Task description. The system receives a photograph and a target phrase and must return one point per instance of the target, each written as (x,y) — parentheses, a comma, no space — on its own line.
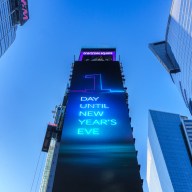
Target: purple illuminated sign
(97,53)
(23,11)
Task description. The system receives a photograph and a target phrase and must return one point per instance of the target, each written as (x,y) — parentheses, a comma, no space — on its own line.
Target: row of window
(180,39)
(6,23)
(7,28)
(7,41)
(185,16)
(4,10)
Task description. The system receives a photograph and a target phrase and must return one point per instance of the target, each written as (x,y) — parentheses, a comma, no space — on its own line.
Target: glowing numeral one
(97,82)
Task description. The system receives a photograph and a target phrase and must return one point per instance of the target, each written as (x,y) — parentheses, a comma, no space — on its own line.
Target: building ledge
(164,54)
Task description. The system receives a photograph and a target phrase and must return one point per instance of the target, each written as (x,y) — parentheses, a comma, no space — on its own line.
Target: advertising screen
(95,95)
(96,118)
(97,147)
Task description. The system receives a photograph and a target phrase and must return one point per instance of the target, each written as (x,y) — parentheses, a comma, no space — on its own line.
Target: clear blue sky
(35,70)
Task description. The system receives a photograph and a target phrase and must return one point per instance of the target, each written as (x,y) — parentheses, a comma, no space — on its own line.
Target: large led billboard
(95,118)
(96,92)
(97,150)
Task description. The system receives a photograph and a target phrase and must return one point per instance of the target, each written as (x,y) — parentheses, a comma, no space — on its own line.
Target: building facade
(168,153)
(94,148)
(175,52)
(12,13)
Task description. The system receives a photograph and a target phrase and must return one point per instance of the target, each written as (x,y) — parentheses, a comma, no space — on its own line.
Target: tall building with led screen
(175,52)
(96,146)
(12,13)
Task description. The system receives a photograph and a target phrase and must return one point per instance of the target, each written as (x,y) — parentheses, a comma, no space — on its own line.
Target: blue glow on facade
(93,117)
(92,106)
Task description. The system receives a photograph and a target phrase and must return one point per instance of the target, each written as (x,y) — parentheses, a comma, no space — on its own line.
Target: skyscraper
(169,154)
(90,145)
(12,13)
(175,52)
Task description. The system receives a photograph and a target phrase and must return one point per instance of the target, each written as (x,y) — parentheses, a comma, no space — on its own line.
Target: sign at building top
(23,11)
(97,53)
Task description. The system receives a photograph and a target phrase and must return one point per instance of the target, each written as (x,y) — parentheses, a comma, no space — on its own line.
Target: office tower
(169,153)
(175,52)
(90,145)
(12,13)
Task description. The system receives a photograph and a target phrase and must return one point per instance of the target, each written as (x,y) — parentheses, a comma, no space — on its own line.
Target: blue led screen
(96,118)
(95,95)
(97,150)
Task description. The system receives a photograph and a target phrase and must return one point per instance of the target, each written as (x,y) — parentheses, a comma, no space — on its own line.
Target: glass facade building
(90,145)
(187,125)
(168,153)
(175,52)
(12,13)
